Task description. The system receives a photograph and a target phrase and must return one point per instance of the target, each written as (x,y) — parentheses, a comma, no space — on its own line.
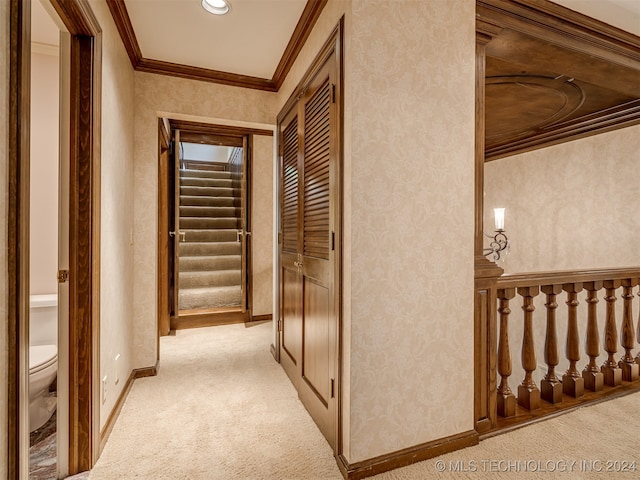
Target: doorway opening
(211,228)
(204,233)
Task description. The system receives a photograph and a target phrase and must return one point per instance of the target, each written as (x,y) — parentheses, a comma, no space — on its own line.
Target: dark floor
(42,452)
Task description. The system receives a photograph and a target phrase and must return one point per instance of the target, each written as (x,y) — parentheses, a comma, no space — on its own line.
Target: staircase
(210,254)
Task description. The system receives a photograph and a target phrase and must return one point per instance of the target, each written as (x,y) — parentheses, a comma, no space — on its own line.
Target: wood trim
(82,292)
(261,318)
(600,122)
(208,319)
(18,235)
(569,30)
(147,371)
(122,20)
(189,72)
(216,129)
(209,139)
(77,17)
(562,26)
(406,456)
(566,276)
(115,413)
(163,231)
(84,232)
(308,19)
(305,25)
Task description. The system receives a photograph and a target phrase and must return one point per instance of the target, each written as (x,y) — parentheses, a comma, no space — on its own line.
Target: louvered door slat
(290,187)
(316,177)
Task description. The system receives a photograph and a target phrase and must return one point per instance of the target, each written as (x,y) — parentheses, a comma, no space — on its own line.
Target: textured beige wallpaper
(4,134)
(117,187)
(412,176)
(262,222)
(570,206)
(407,179)
(157,95)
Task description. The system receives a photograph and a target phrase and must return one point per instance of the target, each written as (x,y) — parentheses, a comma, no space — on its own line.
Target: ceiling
(249,40)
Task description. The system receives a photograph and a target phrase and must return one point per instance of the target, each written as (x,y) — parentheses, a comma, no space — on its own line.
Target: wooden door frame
(334,44)
(197,130)
(84,232)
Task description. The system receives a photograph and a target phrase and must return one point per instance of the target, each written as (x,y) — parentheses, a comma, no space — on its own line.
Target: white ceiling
(624,14)
(249,40)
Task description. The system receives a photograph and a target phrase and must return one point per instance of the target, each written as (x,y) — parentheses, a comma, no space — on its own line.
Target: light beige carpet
(221,408)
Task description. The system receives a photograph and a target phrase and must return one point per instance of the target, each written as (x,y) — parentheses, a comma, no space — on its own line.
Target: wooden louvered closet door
(309,198)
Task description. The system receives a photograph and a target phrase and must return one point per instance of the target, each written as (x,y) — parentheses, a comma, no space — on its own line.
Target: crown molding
(308,19)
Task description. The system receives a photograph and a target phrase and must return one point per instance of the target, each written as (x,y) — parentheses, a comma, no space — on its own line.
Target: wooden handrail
(566,276)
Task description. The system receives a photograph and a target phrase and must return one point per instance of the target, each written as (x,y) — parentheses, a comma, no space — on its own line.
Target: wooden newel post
(612,373)
(506,398)
(630,369)
(528,393)
(572,381)
(551,387)
(593,377)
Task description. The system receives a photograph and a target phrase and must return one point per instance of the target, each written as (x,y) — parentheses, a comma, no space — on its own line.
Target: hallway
(222,408)
(218,392)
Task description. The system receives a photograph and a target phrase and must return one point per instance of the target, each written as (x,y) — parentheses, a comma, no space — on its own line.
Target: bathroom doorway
(77,418)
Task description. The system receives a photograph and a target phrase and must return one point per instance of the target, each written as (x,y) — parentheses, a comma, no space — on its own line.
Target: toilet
(43,358)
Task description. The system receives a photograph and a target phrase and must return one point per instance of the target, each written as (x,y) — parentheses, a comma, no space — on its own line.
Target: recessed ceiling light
(217,7)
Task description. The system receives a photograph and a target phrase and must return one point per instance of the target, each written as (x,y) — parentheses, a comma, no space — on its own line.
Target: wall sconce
(499,241)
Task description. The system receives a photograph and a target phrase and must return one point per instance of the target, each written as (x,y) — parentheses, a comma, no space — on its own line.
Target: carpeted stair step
(204,211)
(222,235)
(210,191)
(194,298)
(205,173)
(209,182)
(219,278)
(203,223)
(206,201)
(208,249)
(210,263)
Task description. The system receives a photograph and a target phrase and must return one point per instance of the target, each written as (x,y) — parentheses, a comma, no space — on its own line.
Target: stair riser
(208,223)
(201,211)
(194,201)
(209,182)
(212,235)
(210,264)
(205,174)
(210,298)
(209,249)
(210,191)
(225,278)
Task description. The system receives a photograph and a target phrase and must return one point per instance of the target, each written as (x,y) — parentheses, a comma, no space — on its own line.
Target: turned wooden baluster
(506,398)
(593,377)
(551,388)
(528,393)
(612,373)
(572,381)
(630,369)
